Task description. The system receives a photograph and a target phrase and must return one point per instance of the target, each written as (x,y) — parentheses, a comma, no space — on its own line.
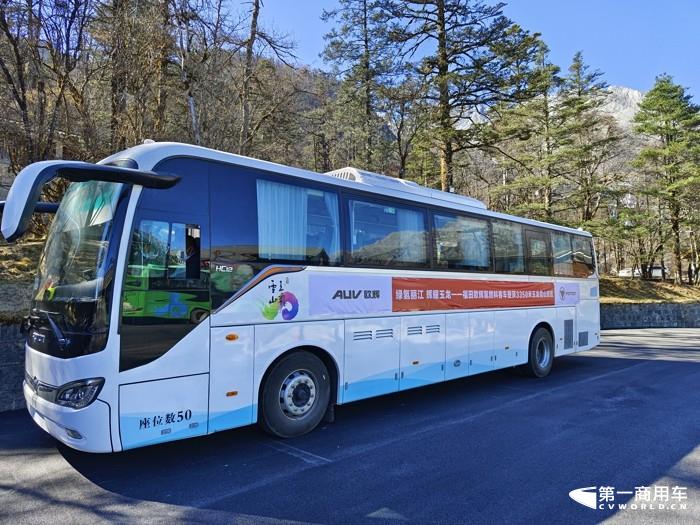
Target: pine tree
(526,139)
(480,59)
(358,47)
(590,143)
(672,161)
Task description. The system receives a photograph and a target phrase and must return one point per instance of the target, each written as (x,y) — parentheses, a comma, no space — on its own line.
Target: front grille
(41,389)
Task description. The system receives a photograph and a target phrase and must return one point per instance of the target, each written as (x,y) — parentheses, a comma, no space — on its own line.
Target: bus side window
(539,260)
(383,234)
(296,223)
(462,243)
(584,264)
(562,253)
(509,250)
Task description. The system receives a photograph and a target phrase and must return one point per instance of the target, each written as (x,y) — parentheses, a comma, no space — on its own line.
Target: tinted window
(296,223)
(166,284)
(584,265)
(166,289)
(562,254)
(192,191)
(386,234)
(462,242)
(508,247)
(234,230)
(258,221)
(538,258)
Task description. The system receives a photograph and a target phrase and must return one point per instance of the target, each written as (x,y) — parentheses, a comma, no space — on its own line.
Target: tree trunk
(118,81)
(366,68)
(244,141)
(676,232)
(162,65)
(446,145)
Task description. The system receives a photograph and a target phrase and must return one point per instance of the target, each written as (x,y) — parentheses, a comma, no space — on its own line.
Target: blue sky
(631,41)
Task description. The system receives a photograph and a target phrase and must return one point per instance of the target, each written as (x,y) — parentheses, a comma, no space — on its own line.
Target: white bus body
(131,343)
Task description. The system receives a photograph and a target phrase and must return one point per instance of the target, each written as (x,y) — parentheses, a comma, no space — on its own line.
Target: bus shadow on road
(179,472)
(591,401)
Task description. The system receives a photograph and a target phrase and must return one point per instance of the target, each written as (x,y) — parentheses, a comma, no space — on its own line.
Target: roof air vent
(383,181)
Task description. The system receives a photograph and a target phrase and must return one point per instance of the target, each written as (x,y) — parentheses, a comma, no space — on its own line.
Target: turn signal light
(232,393)
(231,337)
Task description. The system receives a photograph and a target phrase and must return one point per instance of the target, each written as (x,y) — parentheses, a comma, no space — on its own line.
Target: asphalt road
(491,448)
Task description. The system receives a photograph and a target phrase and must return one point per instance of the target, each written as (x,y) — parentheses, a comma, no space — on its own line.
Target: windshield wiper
(61,339)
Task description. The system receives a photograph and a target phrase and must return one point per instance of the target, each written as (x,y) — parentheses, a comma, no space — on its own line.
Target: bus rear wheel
(295,395)
(541,354)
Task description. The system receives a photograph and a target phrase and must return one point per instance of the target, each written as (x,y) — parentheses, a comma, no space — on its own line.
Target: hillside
(615,290)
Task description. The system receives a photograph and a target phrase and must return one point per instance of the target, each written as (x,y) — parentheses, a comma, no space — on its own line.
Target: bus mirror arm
(39,207)
(23,198)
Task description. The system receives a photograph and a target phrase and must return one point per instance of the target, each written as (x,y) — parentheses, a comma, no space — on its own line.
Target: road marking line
(312,460)
(306,457)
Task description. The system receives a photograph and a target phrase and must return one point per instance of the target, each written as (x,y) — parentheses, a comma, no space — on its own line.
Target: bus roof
(147,155)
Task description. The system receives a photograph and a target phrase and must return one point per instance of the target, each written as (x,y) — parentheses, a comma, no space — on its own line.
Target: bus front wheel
(295,395)
(541,354)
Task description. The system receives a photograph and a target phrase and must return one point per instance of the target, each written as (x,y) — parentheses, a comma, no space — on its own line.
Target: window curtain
(331,202)
(282,221)
(412,235)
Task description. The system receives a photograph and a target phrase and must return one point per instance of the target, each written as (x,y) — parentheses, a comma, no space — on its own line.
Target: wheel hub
(298,393)
(543,353)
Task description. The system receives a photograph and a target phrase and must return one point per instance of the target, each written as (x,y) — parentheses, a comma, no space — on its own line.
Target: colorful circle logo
(290,305)
(286,303)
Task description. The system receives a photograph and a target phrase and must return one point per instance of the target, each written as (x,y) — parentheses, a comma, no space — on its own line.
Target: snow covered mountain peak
(622,103)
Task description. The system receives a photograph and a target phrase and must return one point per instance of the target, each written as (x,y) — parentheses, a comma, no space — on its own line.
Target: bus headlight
(79,394)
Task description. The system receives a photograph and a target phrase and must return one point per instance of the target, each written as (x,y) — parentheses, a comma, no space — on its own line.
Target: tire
(197,316)
(540,354)
(295,395)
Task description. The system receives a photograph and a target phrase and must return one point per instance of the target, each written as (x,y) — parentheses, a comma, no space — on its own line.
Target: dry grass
(18,262)
(616,290)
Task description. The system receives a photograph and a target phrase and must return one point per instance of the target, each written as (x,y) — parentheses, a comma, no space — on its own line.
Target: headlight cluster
(79,394)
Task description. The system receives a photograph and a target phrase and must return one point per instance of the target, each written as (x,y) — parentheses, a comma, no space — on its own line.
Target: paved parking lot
(491,448)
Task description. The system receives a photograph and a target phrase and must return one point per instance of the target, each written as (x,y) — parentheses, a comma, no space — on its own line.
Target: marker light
(79,394)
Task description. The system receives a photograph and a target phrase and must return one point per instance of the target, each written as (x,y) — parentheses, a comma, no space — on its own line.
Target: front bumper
(86,429)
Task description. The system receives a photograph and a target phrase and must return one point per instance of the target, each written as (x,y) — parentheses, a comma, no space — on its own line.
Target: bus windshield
(75,270)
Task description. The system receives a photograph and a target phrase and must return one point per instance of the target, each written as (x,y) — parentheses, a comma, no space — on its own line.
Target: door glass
(165,289)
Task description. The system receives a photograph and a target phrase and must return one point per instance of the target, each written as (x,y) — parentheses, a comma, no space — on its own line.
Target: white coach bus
(183,291)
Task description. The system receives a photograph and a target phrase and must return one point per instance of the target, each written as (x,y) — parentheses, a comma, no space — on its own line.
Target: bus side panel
(512,337)
(232,401)
(456,345)
(272,340)
(482,330)
(156,411)
(588,333)
(422,350)
(372,354)
(565,330)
